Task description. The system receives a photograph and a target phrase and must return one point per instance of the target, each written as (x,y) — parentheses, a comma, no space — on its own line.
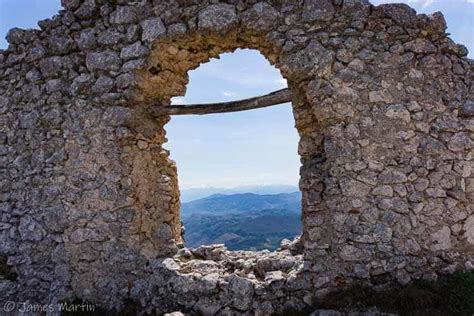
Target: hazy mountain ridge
(242,221)
(192,194)
(243,202)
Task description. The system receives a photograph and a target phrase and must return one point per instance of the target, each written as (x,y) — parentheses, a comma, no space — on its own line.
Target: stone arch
(383,103)
(174,57)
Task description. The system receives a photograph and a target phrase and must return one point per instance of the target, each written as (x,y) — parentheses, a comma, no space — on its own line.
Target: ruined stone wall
(89,201)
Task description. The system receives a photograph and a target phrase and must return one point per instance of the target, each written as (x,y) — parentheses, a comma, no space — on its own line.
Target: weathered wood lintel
(274,98)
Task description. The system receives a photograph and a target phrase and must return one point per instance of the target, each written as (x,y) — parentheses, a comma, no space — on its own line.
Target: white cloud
(281,82)
(262,79)
(427,3)
(178,100)
(228,94)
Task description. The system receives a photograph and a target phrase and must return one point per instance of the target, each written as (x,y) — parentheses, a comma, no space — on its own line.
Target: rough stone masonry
(89,200)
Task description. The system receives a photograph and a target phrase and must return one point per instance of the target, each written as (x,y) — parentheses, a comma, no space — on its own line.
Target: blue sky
(245,148)
(242,148)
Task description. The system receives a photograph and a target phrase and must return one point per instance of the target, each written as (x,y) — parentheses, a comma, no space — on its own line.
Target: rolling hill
(244,221)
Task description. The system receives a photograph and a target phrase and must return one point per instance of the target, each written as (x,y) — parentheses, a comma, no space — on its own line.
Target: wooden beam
(274,98)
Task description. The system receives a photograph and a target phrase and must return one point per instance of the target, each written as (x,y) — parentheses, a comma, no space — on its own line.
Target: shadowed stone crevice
(89,198)
(6,271)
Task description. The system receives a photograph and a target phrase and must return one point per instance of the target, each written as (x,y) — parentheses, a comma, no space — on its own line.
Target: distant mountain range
(188,195)
(244,221)
(244,202)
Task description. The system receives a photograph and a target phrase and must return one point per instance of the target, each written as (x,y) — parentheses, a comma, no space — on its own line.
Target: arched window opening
(238,172)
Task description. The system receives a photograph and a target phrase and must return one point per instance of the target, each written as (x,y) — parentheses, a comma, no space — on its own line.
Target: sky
(257,147)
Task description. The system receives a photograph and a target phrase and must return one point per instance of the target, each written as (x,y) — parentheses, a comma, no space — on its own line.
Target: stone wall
(89,199)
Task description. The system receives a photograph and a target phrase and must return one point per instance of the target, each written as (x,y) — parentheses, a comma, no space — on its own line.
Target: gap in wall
(238,172)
